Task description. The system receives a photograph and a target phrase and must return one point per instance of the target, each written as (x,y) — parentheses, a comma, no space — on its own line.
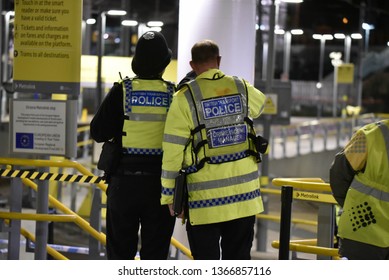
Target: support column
(230,23)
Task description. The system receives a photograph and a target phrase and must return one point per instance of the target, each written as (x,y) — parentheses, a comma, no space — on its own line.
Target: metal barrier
(85,142)
(316,190)
(314,135)
(70,215)
(277,218)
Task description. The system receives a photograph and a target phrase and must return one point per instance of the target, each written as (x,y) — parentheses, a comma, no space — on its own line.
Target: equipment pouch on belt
(261,144)
(109,157)
(180,193)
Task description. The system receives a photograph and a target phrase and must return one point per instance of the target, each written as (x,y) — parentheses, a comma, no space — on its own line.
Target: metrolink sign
(317,197)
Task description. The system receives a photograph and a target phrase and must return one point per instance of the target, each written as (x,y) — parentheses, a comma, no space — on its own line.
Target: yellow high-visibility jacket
(146,103)
(365,216)
(226,185)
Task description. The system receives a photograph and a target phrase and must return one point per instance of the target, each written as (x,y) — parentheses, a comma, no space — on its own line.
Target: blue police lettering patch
(222,106)
(226,136)
(150,98)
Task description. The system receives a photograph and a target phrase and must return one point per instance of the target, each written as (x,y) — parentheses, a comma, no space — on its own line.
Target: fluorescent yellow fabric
(231,188)
(145,134)
(365,216)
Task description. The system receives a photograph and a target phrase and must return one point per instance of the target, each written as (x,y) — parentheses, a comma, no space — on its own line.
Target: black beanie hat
(152,54)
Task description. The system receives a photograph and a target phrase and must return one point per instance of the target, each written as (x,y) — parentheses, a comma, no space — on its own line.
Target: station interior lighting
(90,21)
(297,32)
(367,26)
(280,31)
(356,36)
(292,1)
(339,36)
(323,36)
(116,13)
(155,23)
(128,22)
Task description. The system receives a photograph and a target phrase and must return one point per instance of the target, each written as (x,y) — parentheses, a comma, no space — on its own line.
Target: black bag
(110,157)
(180,194)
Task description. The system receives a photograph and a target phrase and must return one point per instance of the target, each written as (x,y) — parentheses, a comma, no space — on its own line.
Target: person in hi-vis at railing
(359,179)
(133,114)
(209,137)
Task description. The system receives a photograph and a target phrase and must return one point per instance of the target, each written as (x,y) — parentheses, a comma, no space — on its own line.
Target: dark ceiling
(311,15)
(343,15)
(314,16)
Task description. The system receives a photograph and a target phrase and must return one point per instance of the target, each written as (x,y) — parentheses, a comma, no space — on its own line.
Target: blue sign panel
(150,98)
(226,136)
(222,106)
(24,140)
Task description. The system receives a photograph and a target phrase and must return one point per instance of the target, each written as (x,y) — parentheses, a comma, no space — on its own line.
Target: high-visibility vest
(365,216)
(226,186)
(146,103)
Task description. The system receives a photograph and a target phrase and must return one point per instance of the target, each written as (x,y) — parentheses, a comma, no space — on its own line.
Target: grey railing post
(15,225)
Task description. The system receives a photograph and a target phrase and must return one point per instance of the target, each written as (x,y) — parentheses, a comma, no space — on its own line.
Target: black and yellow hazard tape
(35,175)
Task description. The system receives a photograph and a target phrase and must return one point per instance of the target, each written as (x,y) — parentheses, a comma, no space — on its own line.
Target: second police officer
(209,135)
(133,114)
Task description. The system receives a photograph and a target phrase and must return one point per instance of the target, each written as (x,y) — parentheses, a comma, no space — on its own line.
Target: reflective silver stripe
(146,117)
(174,139)
(189,99)
(242,90)
(197,97)
(223,182)
(378,194)
(169,174)
(261,110)
(385,134)
(193,111)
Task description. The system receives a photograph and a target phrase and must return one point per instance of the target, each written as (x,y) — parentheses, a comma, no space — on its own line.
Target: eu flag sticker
(24,140)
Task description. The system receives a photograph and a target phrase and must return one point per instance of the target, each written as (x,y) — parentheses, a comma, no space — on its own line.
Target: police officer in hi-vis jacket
(133,114)
(359,179)
(209,136)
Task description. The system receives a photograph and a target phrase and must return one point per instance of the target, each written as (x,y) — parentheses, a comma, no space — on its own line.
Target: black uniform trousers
(133,202)
(233,239)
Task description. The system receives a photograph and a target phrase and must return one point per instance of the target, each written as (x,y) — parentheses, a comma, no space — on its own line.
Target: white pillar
(230,23)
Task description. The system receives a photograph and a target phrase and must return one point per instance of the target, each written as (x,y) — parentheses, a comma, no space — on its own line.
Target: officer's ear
(193,65)
(219,58)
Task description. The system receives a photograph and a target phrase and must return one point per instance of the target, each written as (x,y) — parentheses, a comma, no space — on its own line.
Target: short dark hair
(204,51)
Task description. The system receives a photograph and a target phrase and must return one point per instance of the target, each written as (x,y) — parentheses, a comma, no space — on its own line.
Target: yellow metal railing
(37,217)
(308,184)
(322,190)
(277,218)
(309,246)
(29,236)
(69,216)
(78,220)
